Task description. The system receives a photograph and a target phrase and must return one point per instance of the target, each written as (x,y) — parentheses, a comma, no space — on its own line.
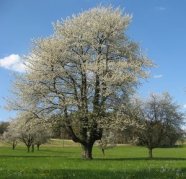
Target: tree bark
(88,151)
(150,153)
(87,139)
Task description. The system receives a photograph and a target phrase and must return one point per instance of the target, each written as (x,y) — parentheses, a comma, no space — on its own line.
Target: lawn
(63,160)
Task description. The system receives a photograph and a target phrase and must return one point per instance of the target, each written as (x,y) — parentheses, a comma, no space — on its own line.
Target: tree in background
(158,119)
(107,141)
(58,128)
(11,135)
(43,134)
(80,70)
(173,137)
(31,130)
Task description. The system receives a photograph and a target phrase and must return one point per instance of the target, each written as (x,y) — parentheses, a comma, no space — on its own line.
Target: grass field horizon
(62,159)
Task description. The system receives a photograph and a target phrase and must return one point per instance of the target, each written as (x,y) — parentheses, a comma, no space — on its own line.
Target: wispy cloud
(158,76)
(12,62)
(160,8)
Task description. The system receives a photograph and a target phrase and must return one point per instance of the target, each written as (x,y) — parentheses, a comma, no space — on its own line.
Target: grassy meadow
(62,159)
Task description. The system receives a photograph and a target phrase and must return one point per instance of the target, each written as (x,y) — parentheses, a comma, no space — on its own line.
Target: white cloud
(12,62)
(184,106)
(158,76)
(161,8)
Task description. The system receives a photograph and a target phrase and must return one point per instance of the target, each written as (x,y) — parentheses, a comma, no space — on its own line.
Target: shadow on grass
(141,158)
(152,173)
(32,155)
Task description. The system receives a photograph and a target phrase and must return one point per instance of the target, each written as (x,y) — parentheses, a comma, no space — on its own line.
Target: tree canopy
(80,71)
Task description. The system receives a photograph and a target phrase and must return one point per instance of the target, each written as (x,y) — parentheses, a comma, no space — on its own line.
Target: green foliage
(64,162)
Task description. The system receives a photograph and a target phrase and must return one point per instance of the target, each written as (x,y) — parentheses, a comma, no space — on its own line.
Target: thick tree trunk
(86,141)
(88,151)
(150,153)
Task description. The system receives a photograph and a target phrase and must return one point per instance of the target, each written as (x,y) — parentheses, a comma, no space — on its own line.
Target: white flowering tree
(107,141)
(80,70)
(11,135)
(31,130)
(43,133)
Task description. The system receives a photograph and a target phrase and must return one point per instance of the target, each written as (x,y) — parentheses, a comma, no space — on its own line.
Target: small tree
(31,130)
(107,141)
(25,128)
(156,118)
(42,134)
(11,135)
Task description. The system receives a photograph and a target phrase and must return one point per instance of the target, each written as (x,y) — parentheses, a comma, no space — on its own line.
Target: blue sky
(158,25)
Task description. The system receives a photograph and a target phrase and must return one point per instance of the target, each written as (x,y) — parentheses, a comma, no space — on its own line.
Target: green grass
(56,161)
